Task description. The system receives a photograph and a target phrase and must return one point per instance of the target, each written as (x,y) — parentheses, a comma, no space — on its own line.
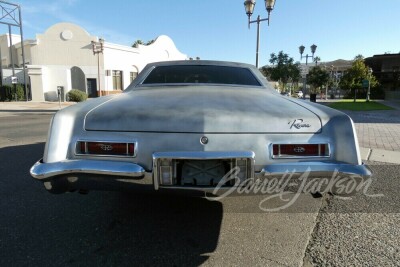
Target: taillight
(106,148)
(300,150)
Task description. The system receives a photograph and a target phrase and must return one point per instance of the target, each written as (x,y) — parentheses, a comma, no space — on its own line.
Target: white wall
(5,51)
(129,59)
(65,45)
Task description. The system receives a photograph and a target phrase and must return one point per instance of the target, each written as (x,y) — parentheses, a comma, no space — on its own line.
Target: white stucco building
(63,56)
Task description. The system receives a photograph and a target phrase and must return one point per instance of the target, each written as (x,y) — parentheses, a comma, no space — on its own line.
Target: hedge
(76,96)
(7,93)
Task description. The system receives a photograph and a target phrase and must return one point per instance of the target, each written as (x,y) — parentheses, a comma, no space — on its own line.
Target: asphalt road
(127,229)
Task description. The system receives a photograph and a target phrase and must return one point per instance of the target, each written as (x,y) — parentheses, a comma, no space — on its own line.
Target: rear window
(205,74)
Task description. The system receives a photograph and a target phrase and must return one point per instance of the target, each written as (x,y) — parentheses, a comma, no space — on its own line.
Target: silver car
(185,125)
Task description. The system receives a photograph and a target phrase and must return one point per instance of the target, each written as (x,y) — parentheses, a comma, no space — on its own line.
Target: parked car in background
(285,93)
(299,94)
(185,125)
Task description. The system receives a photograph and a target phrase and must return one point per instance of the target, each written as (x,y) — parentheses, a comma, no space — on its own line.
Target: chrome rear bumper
(44,171)
(70,175)
(317,169)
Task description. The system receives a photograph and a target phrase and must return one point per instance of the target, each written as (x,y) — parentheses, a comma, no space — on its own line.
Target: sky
(218,29)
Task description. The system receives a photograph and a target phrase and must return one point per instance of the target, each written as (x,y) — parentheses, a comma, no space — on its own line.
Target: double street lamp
(98,47)
(249,8)
(301,50)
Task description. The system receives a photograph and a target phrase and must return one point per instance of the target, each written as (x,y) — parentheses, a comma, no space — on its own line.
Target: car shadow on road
(101,228)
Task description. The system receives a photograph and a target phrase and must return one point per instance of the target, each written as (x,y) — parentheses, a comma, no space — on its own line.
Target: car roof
(201,62)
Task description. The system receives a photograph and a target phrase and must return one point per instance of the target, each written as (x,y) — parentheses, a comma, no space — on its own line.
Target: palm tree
(150,42)
(316,60)
(137,43)
(359,57)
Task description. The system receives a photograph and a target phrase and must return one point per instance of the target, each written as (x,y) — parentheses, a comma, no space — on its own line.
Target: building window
(117,80)
(133,75)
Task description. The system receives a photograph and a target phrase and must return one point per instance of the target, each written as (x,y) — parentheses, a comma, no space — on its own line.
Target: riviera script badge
(298,124)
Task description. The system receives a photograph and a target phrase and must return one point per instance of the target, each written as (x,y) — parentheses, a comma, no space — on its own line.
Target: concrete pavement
(378,131)
(33,106)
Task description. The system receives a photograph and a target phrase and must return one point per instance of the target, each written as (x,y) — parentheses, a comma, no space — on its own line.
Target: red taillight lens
(106,148)
(300,150)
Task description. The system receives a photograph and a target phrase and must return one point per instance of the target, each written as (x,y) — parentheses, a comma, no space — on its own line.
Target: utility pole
(11,16)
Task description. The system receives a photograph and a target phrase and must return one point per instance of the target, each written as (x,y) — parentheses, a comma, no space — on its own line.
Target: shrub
(7,93)
(376,93)
(20,92)
(76,96)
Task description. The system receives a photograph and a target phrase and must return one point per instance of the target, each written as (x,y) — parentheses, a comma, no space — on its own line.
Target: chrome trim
(135,174)
(204,155)
(109,156)
(318,169)
(271,151)
(43,170)
(150,70)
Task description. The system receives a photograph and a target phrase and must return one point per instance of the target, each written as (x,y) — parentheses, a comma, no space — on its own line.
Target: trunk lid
(202,109)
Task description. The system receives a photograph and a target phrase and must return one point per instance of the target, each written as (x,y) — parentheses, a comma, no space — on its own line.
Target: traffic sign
(304,70)
(365,83)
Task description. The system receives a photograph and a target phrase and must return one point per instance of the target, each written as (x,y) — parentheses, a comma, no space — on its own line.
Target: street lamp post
(369,84)
(332,90)
(301,50)
(249,7)
(98,47)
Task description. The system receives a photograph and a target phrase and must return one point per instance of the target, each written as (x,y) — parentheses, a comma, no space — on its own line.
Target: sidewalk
(33,106)
(378,131)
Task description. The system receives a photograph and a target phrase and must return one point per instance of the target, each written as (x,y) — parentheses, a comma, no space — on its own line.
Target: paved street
(124,229)
(363,231)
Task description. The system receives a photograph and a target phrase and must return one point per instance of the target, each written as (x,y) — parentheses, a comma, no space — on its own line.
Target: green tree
(137,43)
(316,60)
(359,57)
(150,42)
(317,77)
(352,79)
(283,69)
(140,42)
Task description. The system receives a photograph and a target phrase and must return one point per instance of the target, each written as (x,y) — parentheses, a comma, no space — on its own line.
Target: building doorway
(91,87)
(78,79)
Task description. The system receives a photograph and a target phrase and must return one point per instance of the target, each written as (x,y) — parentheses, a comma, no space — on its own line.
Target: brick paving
(379,129)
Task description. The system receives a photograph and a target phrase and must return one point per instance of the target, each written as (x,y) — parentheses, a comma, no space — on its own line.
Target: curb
(385,156)
(33,106)
(380,155)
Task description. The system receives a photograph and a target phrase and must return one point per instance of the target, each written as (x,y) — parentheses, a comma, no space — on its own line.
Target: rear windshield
(189,74)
